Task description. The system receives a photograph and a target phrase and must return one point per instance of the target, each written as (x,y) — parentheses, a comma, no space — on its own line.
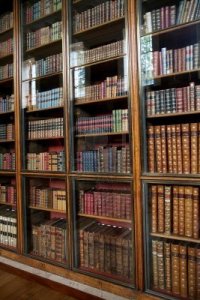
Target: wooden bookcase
(169,65)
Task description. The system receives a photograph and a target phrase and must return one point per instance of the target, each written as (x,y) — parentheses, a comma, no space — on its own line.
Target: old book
(176,269)
(168,194)
(183,271)
(192,273)
(175,221)
(198,271)
(167,256)
(160,261)
(188,211)
(194,147)
(169,149)
(174,149)
(158,149)
(196,216)
(161,209)
(186,148)
(151,149)
(154,209)
(163,148)
(155,263)
(179,149)
(181,196)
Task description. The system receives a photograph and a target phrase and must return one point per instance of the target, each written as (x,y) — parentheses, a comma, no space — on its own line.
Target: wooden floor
(14,287)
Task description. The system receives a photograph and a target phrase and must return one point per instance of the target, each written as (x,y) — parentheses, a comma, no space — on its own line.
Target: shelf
(176,177)
(41,173)
(10,204)
(6,141)
(6,112)
(176,237)
(43,18)
(44,109)
(9,79)
(174,114)
(97,62)
(43,46)
(6,31)
(104,218)
(101,175)
(49,260)
(82,102)
(43,77)
(171,29)
(7,172)
(102,134)
(47,209)
(8,247)
(176,74)
(46,138)
(6,56)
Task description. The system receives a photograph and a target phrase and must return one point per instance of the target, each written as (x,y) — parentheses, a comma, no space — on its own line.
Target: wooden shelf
(44,174)
(6,141)
(176,74)
(44,109)
(101,175)
(7,172)
(43,46)
(43,17)
(6,80)
(6,31)
(6,56)
(47,209)
(175,177)
(174,114)
(7,112)
(104,218)
(97,62)
(43,77)
(102,134)
(46,138)
(10,204)
(176,237)
(171,29)
(82,102)
(98,26)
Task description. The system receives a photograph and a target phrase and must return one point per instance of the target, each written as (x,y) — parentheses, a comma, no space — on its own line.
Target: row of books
(6,71)
(8,227)
(46,161)
(47,99)
(105,203)
(167,16)
(174,148)
(7,103)
(111,159)
(7,131)
(106,248)
(115,122)
(48,65)
(6,47)
(173,100)
(79,55)
(40,9)
(176,269)
(97,15)
(7,193)
(46,197)
(7,161)
(111,87)
(175,210)
(6,21)
(176,60)
(44,35)
(45,128)
(49,240)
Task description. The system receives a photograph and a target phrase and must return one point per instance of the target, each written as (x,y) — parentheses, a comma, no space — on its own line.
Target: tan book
(169,149)
(167,255)
(161,209)
(175,210)
(179,149)
(198,271)
(183,271)
(188,211)
(168,194)
(151,149)
(181,195)
(192,273)
(186,147)
(158,149)
(155,263)
(160,261)
(196,215)
(194,147)
(154,209)
(175,269)
(163,148)
(174,150)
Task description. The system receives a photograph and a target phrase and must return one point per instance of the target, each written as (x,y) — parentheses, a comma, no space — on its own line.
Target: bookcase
(169,64)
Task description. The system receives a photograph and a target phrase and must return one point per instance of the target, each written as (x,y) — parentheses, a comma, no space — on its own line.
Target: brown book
(155,263)
(174,150)
(194,147)
(175,210)
(199,147)
(167,255)
(179,149)
(175,269)
(163,148)
(154,209)
(158,149)
(198,271)
(168,194)
(160,261)
(192,273)
(188,211)
(183,271)
(186,147)
(151,149)
(169,149)
(196,215)
(181,196)
(161,209)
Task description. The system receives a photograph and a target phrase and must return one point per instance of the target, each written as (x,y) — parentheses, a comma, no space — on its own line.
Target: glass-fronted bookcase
(169,66)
